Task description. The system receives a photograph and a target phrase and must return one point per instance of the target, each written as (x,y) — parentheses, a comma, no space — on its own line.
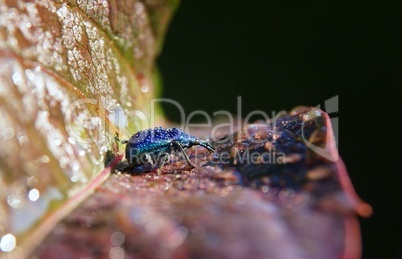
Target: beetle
(146,145)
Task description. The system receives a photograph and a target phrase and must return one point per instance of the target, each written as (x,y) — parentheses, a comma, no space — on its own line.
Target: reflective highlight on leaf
(65,68)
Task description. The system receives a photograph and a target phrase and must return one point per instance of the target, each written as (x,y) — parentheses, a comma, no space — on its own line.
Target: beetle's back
(153,140)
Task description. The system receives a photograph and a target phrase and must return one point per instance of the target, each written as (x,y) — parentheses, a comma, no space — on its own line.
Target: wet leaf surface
(68,70)
(299,207)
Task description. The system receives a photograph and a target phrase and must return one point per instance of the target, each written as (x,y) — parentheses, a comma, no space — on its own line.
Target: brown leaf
(304,207)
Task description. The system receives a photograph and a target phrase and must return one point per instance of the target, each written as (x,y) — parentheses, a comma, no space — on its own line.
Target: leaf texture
(67,70)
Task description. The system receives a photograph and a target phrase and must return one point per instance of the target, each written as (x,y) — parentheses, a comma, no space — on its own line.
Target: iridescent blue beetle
(148,146)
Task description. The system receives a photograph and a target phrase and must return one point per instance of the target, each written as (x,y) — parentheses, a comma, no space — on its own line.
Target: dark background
(280,54)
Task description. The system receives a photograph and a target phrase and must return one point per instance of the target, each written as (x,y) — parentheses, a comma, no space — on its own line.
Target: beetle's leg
(164,159)
(179,146)
(121,167)
(119,140)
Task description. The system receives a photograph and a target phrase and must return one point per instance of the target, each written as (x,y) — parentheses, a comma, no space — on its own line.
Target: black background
(280,54)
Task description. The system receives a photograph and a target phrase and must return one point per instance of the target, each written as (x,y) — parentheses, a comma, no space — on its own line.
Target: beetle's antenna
(206,145)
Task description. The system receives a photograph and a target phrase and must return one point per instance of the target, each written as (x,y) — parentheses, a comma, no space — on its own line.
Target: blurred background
(280,54)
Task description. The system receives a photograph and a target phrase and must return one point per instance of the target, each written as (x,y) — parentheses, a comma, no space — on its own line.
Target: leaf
(226,207)
(68,70)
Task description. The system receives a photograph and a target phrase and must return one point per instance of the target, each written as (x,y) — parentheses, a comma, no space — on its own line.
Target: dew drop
(317,113)
(139,217)
(23,140)
(116,253)
(117,238)
(8,133)
(144,88)
(286,194)
(71,140)
(76,167)
(13,200)
(265,189)
(31,181)
(11,14)
(33,195)
(103,149)
(83,179)
(7,243)
(57,142)
(17,78)
(44,159)
(178,237)
(95,121)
